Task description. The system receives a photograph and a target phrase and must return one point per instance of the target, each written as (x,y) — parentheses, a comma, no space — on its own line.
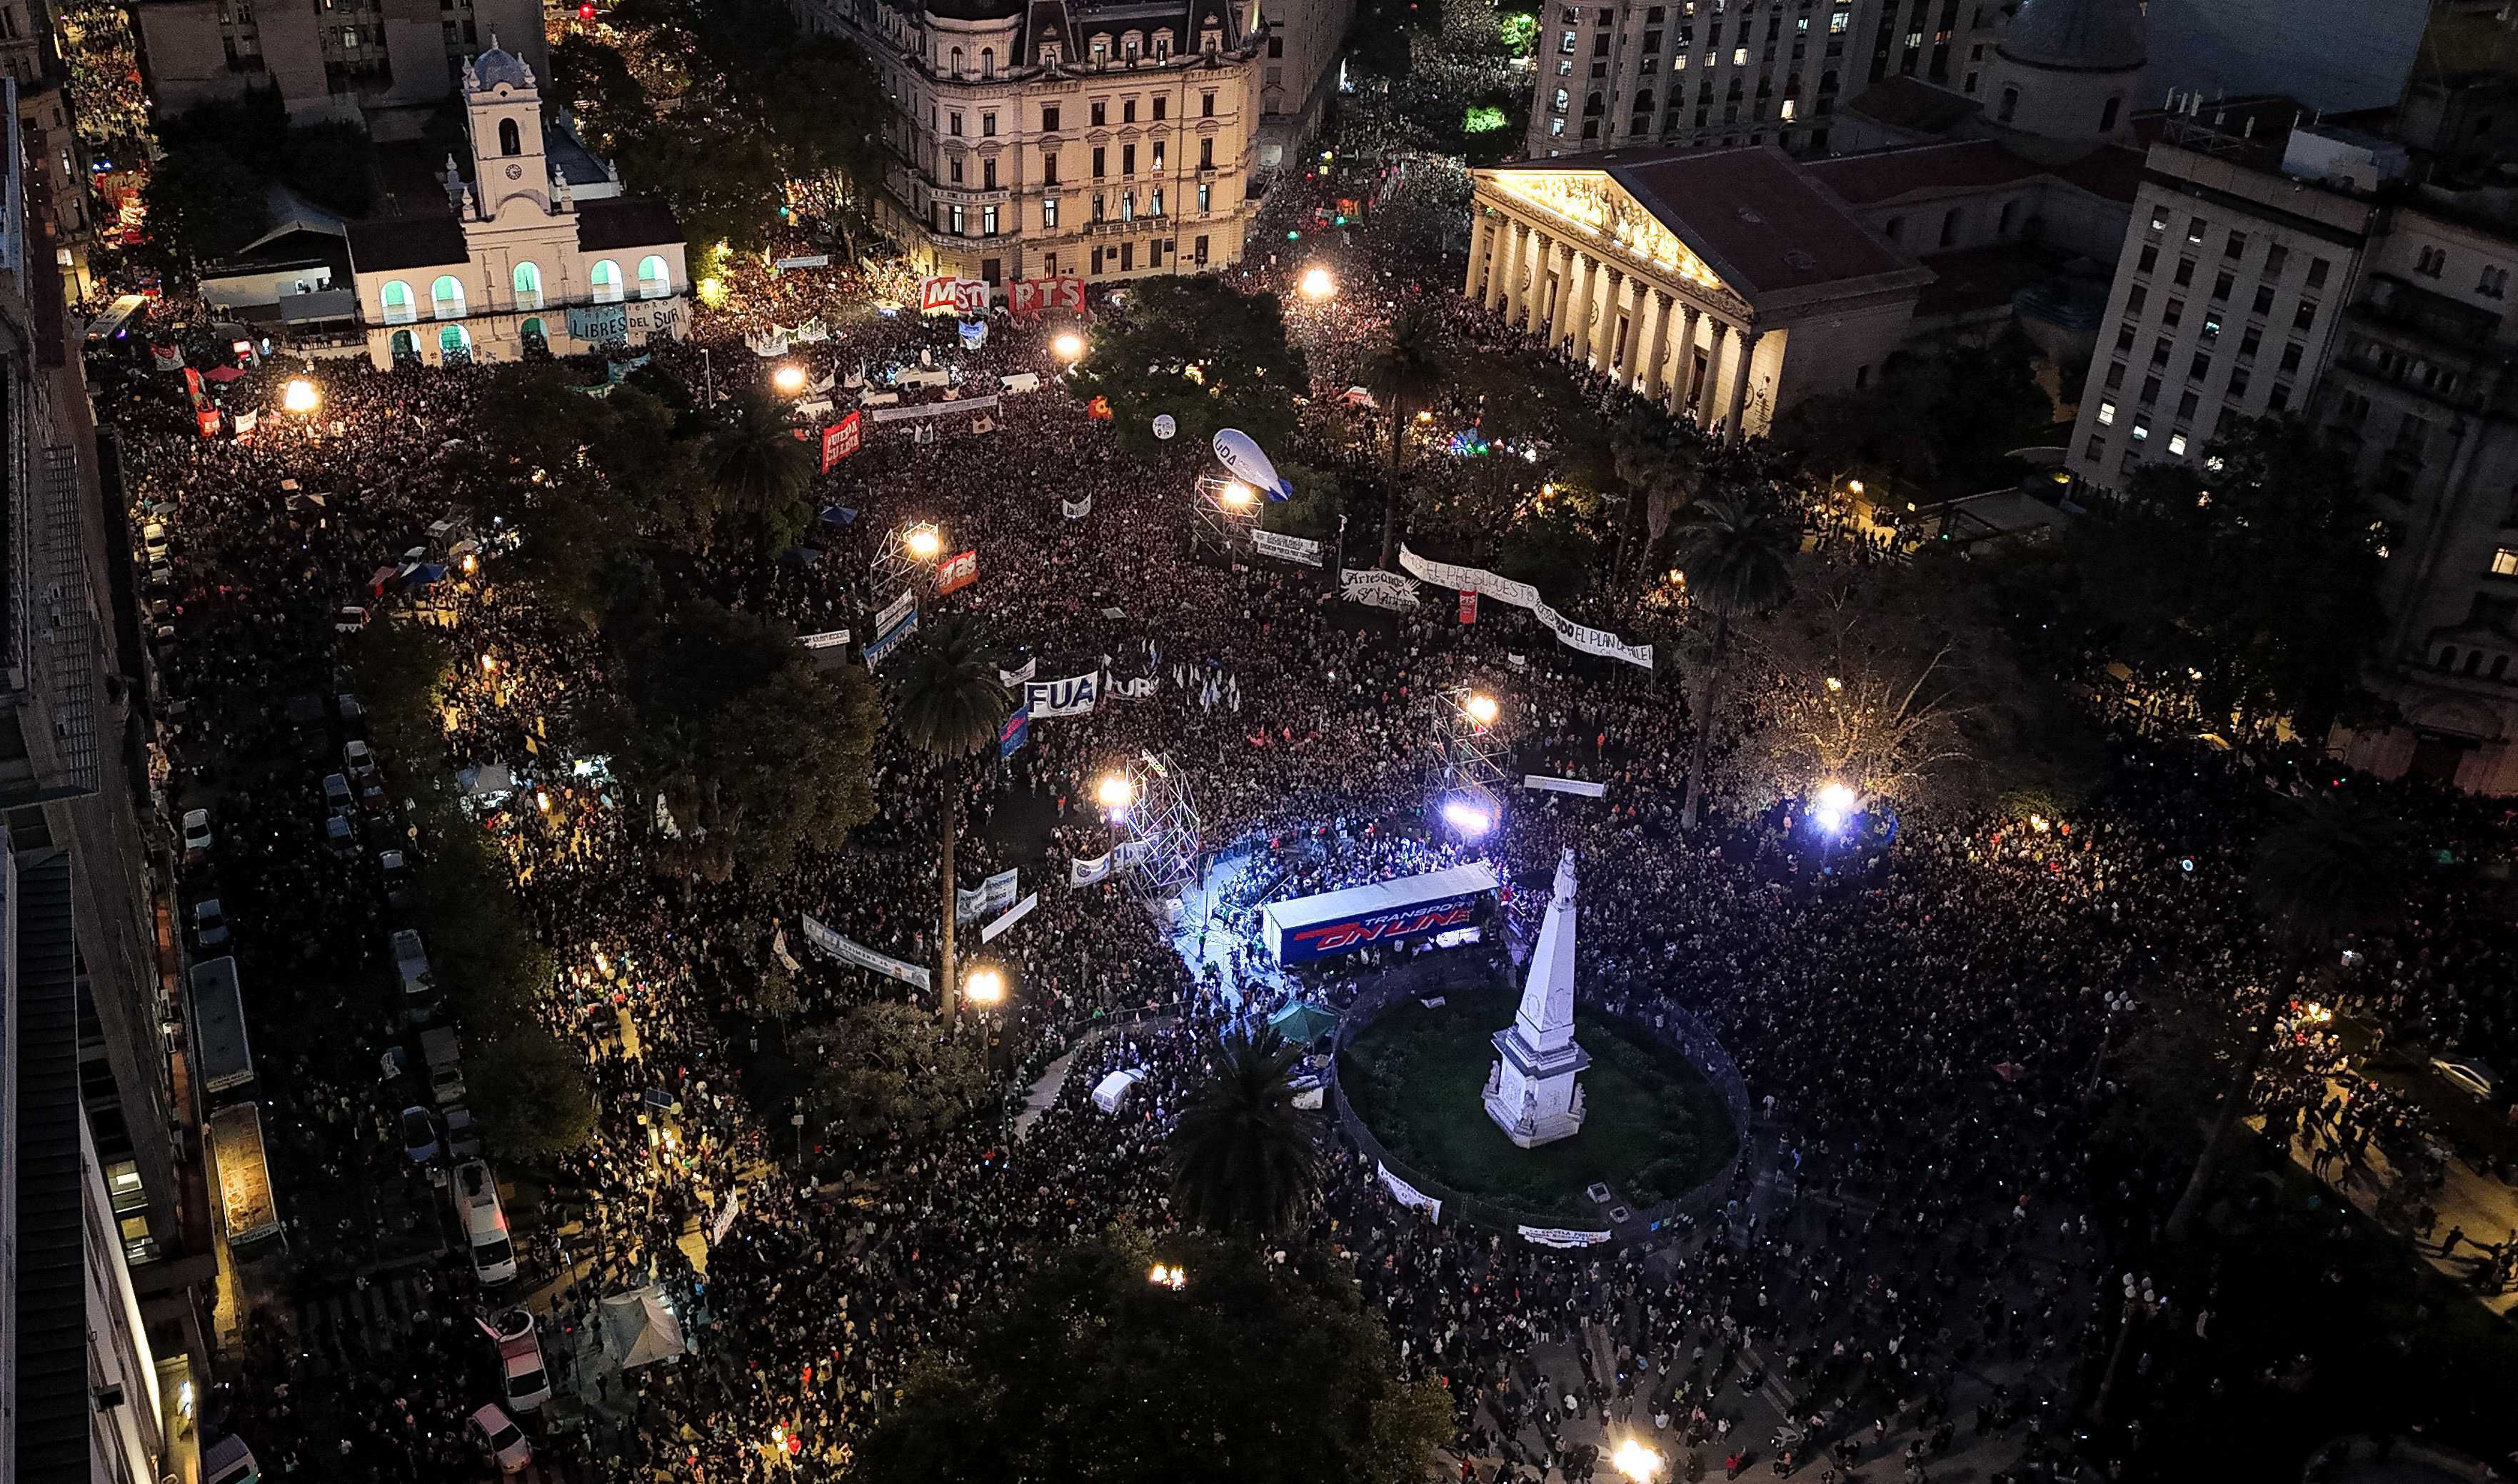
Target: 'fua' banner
(1074,696)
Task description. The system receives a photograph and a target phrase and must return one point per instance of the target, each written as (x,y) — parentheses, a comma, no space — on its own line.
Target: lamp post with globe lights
(787,378)
(1067,346)
(907,547)
(1635,1461)
(300,398)
(1317,285)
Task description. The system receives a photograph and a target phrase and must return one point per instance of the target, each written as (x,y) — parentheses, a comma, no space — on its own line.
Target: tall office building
(2361,283)
(386,64)
(70,780)
(1063,138)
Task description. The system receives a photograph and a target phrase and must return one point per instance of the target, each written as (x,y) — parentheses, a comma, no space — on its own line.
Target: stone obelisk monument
(1533,1093)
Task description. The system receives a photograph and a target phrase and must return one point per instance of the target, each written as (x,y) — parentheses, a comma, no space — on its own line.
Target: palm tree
(1734,550)
(2334,867)
(951,706)
(752,460)
(1243,1157)
(1656,462)
(1405,371)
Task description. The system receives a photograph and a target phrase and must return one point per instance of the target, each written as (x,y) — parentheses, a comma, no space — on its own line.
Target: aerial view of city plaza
(1383,742)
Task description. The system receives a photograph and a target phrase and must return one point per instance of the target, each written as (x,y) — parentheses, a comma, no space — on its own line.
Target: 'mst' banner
(839,441)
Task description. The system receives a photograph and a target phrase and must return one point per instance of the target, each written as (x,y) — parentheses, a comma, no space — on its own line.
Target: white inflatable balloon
(1164,427)
(1241,453)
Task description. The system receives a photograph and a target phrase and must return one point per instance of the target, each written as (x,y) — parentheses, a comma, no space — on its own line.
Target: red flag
(1468,607)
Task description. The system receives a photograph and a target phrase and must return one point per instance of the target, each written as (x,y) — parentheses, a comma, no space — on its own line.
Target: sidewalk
(2485,1208)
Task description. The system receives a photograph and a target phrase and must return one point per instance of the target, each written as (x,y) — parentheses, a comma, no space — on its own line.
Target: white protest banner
(725,1215)
(1012,679)
(893,612)
(1083,873)
(778,951)
(1139,690)
(1410,1196)
(828,638)
(846,951)
(993,895)
(1133,853)
(1564,785)
(1076,509)
(936,408)
(1504,589)
(1021,910)
(245,422)
(1292,549)
(1559,1237)
(1377,588)
(1071,697)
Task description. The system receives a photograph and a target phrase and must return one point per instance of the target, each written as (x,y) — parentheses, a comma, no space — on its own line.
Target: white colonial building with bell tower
(532,253)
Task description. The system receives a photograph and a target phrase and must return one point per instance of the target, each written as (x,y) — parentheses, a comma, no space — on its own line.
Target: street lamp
(1636,1460)
(984,987)
(1317,285)
(1481,710)
(1162,1276)
(1116,791)
(1069,345)
(1833,806)
(925,542)
(300,397)
(1237,496)
(787,378)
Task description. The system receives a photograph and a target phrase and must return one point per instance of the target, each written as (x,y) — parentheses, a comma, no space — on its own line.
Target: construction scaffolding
(1162,827)
(1224,515)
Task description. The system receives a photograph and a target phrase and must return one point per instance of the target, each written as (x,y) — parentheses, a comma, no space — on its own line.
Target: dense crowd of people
(1921,1237)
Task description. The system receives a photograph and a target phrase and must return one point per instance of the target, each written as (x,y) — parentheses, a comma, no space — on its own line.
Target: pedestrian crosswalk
(352,1320)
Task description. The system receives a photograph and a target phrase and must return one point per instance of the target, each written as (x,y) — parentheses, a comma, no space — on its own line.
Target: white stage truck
(1304,928)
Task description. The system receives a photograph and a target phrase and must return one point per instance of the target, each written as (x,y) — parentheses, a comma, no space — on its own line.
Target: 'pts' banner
(1322,940)
(1030,295)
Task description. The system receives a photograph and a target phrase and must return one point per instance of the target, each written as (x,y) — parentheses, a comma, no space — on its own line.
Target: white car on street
(2467,1072)
(506,1441)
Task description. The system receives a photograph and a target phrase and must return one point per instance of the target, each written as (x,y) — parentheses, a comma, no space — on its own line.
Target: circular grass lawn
(1653,1128)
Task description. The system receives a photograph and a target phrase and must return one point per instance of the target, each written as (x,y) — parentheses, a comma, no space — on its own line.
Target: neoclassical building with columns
(1725,284)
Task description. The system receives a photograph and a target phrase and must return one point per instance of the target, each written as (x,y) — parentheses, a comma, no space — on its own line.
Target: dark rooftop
(407,241)
(626,220)
(1903,103)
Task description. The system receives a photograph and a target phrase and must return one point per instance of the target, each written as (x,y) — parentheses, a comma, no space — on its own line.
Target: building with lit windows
(2361,282)
(1063,138)
(386,64)
(517,265)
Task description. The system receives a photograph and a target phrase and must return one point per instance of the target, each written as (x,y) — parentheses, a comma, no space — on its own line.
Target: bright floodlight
(299,396)
(1466,817)
(1832,807)
(925,542)
(1635,1461)
(1482,709)
(1116,791)
(1069,345)
(984,987)
(789,380)
(1317,285)
(1237,496)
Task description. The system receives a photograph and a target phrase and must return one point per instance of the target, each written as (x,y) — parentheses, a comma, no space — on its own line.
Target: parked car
(354,713)
(463,1140)
(372,795)
(209,923)
(485,1222)
(337,797)
(196,836)
(152,541)
(357,760)
(505,1441)
(396,871)
(341,836)
(2467,1072)
(418,1135)
(520,1362)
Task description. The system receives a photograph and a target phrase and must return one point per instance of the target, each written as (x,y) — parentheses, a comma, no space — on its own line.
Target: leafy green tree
(532,1094)
(606,97)
(758,470)
(2259,576)
(202,204)
(889,1067)
(1406,372)
(720,174)
(1658,461)
(1735,551)
(950,707)
(401,671)
(2334,866)
(481,947)
(754,748)
(1243,1158)
(1249,1372)
(1200,350)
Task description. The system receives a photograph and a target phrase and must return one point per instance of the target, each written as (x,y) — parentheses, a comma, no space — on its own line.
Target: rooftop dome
(494,67)
(2078,35)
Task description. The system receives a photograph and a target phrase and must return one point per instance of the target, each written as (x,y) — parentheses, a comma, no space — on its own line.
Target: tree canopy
(1243,1157)
(1935,421)
(889,1067)
(2252,583)
(1200,350)
(1248,1371)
